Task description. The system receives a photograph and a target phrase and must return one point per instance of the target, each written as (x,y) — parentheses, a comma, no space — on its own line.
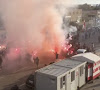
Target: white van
(81,51)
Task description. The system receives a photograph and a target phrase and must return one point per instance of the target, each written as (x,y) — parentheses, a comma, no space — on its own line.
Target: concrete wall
(45,82)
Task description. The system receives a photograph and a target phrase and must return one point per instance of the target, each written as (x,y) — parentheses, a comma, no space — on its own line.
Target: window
(72,76)
(62,82)
(81,70)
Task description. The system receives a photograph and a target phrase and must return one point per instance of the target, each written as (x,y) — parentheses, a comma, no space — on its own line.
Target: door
(82,76)
(63,83)
(68,81)
(77,77)
(86,73)
(73,80)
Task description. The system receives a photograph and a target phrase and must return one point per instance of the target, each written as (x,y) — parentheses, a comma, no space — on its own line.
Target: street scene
(49,45)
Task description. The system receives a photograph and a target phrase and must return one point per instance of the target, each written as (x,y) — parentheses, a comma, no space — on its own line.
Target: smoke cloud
(31,22)
(34,24)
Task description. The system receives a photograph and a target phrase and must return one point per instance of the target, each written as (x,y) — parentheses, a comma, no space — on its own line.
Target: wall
(45,82)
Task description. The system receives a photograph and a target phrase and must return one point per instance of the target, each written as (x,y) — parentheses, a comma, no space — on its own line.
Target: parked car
(81,51)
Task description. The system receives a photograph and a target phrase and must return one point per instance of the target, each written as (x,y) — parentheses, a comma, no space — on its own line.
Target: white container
(62,75)
(93,64)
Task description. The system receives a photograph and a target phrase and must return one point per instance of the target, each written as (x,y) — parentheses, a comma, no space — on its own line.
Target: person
(78,36)
(1,62)
(85,35)
(88,49)
(99,39)
(57,55)
(78,88)
(89,34)
(84,46)
(78,46)
(68,36)
(45,64)
(92,47)
(37,61)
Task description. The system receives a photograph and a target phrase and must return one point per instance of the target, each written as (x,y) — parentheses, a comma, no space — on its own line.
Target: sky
(88,1)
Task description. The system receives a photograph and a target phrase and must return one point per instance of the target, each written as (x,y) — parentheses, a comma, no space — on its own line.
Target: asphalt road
(19,78)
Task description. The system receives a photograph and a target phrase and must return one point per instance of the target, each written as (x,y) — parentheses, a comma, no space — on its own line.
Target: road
(19,77)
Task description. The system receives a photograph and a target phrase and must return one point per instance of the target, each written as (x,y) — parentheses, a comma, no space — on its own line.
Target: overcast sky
(88,1)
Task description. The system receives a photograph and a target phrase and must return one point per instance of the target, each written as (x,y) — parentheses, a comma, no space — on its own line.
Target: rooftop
(60,67)
(89,57)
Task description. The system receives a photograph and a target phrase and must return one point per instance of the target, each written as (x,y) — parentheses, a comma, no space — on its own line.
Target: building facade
(75,15)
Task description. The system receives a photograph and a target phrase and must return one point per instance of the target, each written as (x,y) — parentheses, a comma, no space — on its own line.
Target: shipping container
(93,64)
(67,74)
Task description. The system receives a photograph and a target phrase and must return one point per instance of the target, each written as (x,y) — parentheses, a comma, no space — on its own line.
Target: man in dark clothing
(1,62)
(88,49)
(99,39)
(78,88)
(36,61)
(85,35)
(92,47)
(68,36)
(56,55)
(78,45)
(84,46)
(89,34)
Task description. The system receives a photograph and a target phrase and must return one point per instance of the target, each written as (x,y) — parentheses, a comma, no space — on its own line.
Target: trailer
(67,74)
(93,64)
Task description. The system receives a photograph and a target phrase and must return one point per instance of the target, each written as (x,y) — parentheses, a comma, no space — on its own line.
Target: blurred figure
(36,60)
(78,45)
(88,49)
(92,47)
(89,34)
(78,88)
(85,35)
(68,36)
(1,62)
(84,46)
(99,39)
(56,55)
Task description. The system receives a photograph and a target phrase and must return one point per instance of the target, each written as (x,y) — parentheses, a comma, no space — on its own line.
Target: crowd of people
(89,48)
(87,39)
